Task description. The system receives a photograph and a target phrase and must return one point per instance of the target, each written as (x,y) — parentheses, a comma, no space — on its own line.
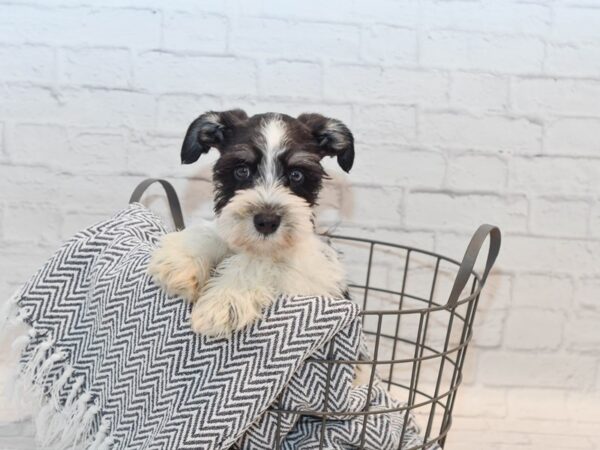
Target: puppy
(263,242)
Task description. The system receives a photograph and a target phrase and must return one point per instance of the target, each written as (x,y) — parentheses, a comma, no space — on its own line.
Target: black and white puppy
(263,241)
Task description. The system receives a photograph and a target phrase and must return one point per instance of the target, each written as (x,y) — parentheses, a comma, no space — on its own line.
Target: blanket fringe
(64,413)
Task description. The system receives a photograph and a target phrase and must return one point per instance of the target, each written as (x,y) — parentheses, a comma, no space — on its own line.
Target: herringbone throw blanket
(115,364)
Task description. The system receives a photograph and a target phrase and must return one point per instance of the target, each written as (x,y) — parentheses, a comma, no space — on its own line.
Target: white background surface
(464,112)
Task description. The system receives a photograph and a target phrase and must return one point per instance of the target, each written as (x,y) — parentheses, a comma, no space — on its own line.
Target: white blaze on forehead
(273,140)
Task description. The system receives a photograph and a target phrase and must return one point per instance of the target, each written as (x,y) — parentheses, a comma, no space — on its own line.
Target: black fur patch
(308,139)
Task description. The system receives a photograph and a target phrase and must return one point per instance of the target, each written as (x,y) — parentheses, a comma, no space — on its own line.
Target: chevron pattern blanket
(115,365)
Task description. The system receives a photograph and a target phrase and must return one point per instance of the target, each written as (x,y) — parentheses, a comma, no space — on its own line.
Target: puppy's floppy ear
(333,138)
(209,130)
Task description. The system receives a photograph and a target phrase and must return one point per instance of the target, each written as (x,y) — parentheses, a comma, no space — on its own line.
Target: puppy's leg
(235,296)
(183,261)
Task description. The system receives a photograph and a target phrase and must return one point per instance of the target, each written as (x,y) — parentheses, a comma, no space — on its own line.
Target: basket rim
(433,307)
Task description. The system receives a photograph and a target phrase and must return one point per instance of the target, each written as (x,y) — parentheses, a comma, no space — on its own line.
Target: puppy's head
(269,174)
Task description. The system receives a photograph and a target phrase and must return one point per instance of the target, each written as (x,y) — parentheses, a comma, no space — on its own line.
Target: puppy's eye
(296,176)
(242,173)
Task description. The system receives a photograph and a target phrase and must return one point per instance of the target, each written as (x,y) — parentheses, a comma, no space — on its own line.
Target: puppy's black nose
(266,223)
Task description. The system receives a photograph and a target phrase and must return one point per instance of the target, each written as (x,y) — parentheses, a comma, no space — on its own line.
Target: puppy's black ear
(333,138)
(209,130)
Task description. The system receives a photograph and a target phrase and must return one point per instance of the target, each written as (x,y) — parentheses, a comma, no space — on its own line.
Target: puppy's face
(269,174)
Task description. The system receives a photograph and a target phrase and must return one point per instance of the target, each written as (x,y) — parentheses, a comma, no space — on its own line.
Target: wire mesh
(417,340)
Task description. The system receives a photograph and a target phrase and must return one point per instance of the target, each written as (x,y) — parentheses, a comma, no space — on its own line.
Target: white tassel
(71,430)
(47,366)
(65,416)
(45,434)
(85,425)
(57,421)
(16,382)
(36,358)
(12,325)
(58,425)
(21,342)
(74,391)
(59,386)
(101,435)
(8,308)
(107,443)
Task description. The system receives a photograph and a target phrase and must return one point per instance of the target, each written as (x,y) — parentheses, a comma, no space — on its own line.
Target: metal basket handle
(468,261)
(174,204)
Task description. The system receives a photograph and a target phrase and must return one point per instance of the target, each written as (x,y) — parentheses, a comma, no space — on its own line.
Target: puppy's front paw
(175,270)
(219,312)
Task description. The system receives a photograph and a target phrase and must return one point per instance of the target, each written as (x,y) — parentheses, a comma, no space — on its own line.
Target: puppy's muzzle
(267,223)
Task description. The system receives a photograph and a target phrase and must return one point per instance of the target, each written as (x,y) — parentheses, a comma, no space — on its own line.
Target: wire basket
(418,309)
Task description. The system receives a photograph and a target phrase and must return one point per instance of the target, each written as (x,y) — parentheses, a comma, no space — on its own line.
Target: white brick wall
(465,111)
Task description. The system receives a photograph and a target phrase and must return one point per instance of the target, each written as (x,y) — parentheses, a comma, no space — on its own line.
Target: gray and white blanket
(114,363)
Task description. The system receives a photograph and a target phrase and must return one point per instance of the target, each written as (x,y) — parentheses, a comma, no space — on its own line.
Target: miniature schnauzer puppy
(263,242)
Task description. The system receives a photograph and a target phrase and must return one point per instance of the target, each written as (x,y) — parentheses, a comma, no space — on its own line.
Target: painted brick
(2,139)
(32,223)
(595,220)
(479,401)
(440,210)
(27,103)
(495,133)
(556,217)
(502,54)
(543,292)
(479,91)
(79,107)
(572,137)
(573,59)
(487,16)
(560,217)
(556,96)
(291,79)
(477,172)
(105,67)
(26,184)
(393,12)
(573,24)
(158,155)
(276,37)
(498,292)
(553,175)
(107,108)
(535,403)
(165,72)
(195,32)
(21,258)
(336,11)
(95,26)
(27,144)
(176,111)
(385,123)
(417,168)
(369,83)
(489,329)
(389,45)
(536,370)
(582,334)
(533,329)
(27,63)
(586,293)
(387,201)
(554,255)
